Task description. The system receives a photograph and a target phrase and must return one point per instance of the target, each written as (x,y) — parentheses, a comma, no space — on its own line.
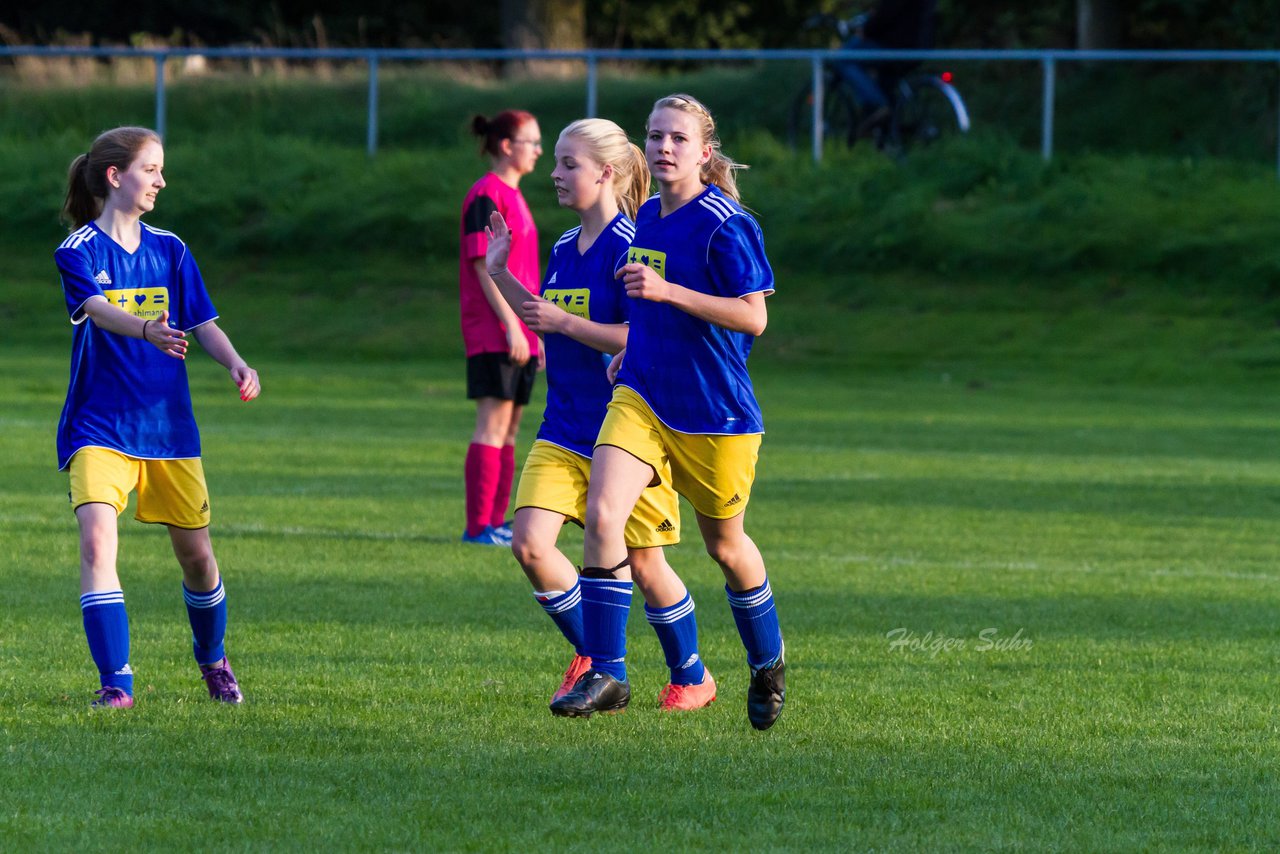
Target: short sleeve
(194,308)
(78,286)
(474,221)
(736,259)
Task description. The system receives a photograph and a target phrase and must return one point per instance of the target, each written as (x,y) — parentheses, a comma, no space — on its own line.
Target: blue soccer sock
(757,620)
(606,602)
(677,630)
(208,615)
(564,607)
(106,626)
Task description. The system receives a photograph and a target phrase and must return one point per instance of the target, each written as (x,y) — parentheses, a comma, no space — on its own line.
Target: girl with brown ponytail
(133,294)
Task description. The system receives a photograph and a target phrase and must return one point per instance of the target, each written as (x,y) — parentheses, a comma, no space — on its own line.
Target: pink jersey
(481,330)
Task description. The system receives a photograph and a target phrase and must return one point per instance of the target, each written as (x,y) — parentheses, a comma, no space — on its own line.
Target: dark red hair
(504,125)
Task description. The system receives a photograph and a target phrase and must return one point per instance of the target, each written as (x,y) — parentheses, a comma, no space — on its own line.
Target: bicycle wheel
(840,117)
(927,109)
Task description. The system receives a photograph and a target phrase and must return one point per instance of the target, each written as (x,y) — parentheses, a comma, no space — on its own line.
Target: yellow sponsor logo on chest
(650,258)
(140,302)
(576,301)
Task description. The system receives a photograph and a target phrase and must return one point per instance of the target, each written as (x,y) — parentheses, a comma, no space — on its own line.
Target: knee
(723,551)
(97,552)
(195,559)
(527,550)
(605,518)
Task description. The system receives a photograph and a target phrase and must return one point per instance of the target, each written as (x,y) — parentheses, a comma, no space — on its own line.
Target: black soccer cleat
(595,691)
(765,694)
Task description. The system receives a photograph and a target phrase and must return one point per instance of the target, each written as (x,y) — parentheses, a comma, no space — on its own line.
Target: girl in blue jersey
(683,411)
(133,294)
(582,316)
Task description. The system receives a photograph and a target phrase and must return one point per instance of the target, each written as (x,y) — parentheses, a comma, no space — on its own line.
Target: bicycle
(923,106)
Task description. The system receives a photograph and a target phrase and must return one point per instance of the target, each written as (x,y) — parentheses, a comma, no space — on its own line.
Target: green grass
(1000,395)
(397,681)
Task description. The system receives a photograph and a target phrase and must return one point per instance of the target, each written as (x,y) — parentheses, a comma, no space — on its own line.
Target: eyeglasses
(536,143)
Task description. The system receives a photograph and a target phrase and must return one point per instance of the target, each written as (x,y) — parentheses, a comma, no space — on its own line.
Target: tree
(543,25)
(1099,24)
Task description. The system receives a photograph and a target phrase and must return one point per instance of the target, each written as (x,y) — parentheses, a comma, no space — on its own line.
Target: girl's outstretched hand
(171,342)
(499,235)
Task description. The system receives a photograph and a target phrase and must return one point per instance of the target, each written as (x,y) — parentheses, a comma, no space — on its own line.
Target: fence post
(593,86)
(818,130)
(160,94)
(371,143)
(1046,127)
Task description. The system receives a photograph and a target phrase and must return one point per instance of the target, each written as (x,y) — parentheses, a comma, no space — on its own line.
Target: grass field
(1019,497)
(1121,539)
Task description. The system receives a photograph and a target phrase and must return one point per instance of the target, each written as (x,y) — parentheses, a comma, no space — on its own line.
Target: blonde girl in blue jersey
(683,411)
(134,294)
(582,316)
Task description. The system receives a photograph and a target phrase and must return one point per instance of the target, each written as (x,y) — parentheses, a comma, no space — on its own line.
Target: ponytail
(633,185)
(80,207)
(87,176)
(607,144)
(720,170)
(505,125)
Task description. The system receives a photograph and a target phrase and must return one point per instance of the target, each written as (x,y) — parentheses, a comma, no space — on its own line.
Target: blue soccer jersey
(125,394)
(578,389)
(693,374)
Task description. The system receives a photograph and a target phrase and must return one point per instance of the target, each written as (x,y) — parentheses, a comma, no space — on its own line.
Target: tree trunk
(1099,24)
(544,25)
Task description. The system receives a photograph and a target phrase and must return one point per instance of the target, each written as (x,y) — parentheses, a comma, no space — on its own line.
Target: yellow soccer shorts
(714,472)
(555,479)
(170,492)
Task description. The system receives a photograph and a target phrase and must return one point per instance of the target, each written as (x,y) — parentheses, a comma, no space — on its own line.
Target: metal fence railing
(1047,59)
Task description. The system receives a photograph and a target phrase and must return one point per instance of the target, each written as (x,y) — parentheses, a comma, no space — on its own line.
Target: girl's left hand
(246,379)
(499,235)
(643,283)
(542,316)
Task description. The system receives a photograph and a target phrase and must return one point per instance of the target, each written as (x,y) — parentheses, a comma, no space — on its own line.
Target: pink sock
(506,475)
(483,469)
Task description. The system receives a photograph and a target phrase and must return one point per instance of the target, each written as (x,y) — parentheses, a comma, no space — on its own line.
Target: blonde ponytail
(607,144)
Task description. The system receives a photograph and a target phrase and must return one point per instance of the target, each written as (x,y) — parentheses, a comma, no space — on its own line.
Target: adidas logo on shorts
(204,508)
(666,527)
(736,499)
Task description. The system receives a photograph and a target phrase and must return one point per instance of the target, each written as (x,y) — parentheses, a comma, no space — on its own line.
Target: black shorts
(493,375)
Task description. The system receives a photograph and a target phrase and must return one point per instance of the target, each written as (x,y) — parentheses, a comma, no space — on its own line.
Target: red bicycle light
(946,76)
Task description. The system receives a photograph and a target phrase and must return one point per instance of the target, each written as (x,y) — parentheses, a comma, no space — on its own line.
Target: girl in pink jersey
(503,356)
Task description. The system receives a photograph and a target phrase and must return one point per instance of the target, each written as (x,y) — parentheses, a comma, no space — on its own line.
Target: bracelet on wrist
(493,273)
(144,328)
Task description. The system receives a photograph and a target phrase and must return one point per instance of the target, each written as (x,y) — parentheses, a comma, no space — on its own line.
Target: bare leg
(617,481)
(728,544)
(659,583)
(534,546)
(493,421)
(195,556)
(99,546)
